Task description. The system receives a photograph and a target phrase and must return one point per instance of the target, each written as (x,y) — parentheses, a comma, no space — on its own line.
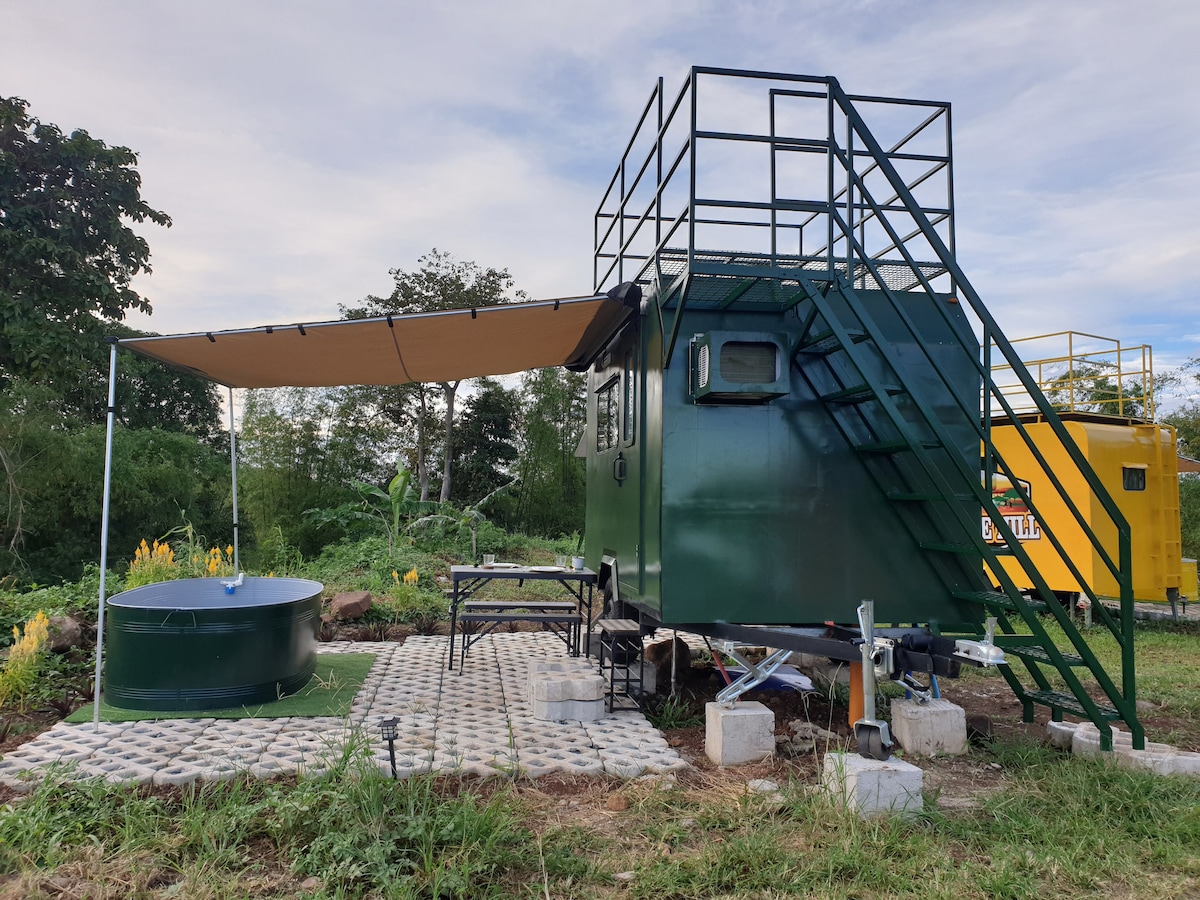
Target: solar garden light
(387,729)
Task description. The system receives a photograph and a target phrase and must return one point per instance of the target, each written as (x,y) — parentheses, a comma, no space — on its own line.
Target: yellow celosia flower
(410,577)
(395,576)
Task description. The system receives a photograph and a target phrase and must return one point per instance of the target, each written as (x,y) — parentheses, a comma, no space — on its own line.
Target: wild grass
(347,833)
(1060,826)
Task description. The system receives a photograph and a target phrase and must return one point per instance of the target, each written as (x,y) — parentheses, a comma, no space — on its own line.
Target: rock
(659,655)
(762,786)
(625,876)
(807,732)
(350,604)
(617,802)
(65,633)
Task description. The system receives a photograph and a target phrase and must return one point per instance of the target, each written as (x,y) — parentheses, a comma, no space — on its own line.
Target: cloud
(303,149)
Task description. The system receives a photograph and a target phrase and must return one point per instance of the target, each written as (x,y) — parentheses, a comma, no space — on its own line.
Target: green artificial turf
(330,692)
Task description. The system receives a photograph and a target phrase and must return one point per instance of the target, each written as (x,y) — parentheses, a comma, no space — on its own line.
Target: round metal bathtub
(184,645)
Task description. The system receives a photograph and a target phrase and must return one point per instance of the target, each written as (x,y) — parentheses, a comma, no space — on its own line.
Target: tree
(51,494)
(441,283)
(551,495)
(67,253)
(484,442)
(1186,422)
(402,412)
(1090,388)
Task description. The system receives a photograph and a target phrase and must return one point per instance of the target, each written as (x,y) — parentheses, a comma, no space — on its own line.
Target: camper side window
(607,412)
(1133,478)
(630,400)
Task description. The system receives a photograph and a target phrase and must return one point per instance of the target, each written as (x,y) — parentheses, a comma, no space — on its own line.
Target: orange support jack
(856,693)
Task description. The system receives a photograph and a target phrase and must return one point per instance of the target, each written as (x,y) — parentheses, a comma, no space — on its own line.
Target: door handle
(619,468)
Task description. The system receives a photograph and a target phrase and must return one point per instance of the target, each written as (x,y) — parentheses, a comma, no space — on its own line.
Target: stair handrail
(999,340)
(1124,633)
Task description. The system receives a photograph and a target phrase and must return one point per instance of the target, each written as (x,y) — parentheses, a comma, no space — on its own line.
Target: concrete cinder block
(556,686)
(1085,741)
(568,710)
(1061,734)
(872,786)
(932,728)
(1162,759)
(742,734)
(545,665)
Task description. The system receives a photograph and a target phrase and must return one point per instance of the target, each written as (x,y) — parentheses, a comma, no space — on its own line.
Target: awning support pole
(237,567)
(108,447)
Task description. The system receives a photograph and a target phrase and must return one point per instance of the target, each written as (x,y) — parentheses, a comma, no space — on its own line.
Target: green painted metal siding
(762,514)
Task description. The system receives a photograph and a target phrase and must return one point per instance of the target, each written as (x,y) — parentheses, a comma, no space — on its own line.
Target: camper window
(1133,478)
(607,411)
(630,400)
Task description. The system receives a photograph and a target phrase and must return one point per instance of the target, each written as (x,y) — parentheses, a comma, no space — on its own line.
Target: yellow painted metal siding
(1122,455)
(1190,589)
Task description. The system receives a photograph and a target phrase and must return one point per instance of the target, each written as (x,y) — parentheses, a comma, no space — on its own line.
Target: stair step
(827,342)
(960,549)
(1041,655)
(1070,703)
(861,393)
(995,600)
(900,496)
(896,446)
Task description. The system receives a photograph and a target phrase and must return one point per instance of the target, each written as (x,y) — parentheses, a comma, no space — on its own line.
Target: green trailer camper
(790,421)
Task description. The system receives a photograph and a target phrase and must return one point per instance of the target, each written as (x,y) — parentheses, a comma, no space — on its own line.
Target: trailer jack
(871,734)
(756,673)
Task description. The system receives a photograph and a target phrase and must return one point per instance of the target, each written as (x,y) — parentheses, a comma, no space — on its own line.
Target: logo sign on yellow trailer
(1012,507)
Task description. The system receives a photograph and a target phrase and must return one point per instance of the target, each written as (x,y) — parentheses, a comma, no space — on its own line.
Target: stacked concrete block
(1162,759)
(739,734)
(932,728)
(559,693)
(872,786)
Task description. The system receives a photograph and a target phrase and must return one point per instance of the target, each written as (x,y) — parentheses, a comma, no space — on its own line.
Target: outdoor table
(579,583)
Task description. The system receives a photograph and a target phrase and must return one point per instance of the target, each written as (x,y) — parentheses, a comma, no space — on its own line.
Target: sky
(303,149)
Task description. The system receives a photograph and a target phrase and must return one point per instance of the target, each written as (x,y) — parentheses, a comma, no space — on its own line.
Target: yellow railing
(1080,372)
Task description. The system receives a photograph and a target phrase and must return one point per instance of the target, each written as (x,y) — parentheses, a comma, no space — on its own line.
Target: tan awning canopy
(443,346)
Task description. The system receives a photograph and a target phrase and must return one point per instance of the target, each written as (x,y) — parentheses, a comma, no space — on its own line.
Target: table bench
(566,618)
(560,617)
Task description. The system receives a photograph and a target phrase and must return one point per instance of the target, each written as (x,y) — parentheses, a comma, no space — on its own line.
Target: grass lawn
(335,682)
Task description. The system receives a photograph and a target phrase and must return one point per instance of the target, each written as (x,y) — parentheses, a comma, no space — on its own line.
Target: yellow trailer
(1135,458)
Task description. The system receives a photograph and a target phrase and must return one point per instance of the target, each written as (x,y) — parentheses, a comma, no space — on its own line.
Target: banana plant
(387,508)
(470,517)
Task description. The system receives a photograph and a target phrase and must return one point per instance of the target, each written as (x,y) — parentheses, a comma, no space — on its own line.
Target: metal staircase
(912,457)
(857,241)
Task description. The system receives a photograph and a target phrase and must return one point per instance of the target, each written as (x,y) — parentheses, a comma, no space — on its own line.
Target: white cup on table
(489,560)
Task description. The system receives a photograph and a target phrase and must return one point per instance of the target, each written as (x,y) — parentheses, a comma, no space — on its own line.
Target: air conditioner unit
(739,367)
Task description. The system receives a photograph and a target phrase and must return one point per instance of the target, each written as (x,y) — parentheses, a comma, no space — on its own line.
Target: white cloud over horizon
(305,148)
